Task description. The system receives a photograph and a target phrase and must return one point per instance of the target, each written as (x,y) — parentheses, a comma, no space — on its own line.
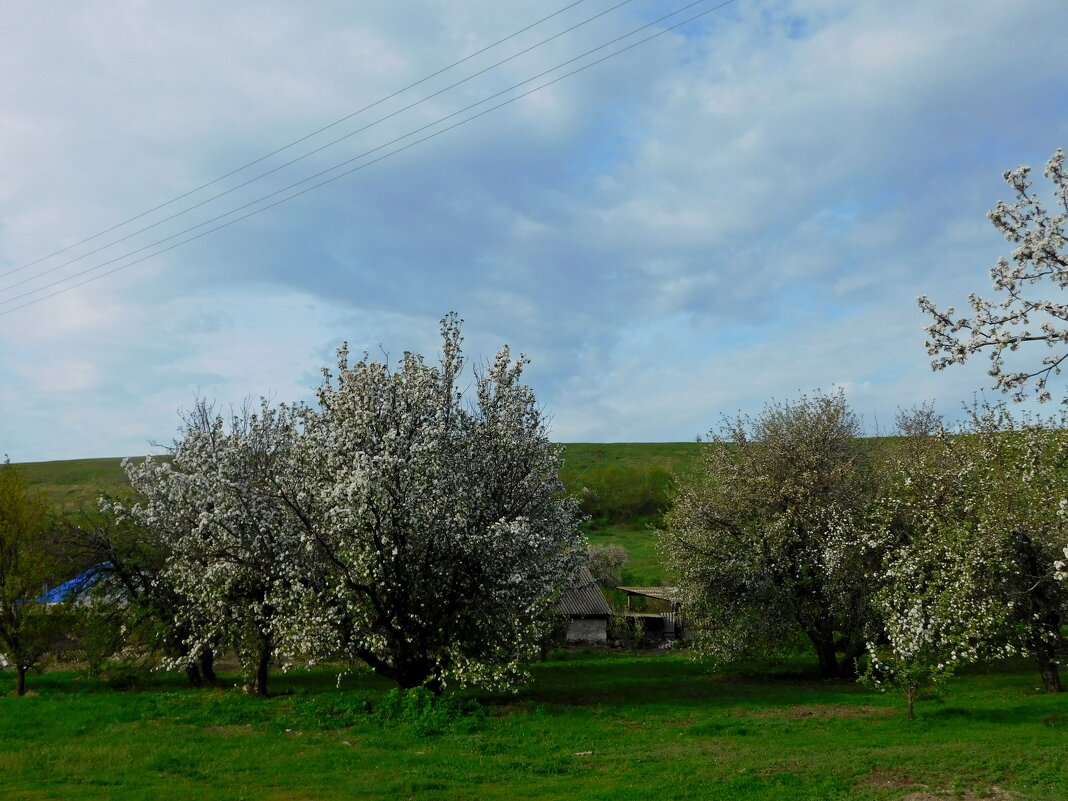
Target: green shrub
(428,714)
(626,632)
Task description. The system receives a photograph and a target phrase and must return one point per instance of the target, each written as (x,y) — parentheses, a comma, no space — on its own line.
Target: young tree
(236,559)
(975,523)
(1029,309)
(133,586)
(937,614)
(438,518)
(606,563)
(769,539)
(29,625)
(936,595)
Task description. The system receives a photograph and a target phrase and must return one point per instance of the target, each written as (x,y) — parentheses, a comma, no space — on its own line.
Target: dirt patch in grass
(231,730)
(831,711)
(898,779)
(993,794)
(890,777)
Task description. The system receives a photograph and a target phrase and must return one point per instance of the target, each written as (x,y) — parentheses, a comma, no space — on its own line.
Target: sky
(743,209)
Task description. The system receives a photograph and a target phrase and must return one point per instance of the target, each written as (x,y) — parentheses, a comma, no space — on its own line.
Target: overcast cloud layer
(743,209)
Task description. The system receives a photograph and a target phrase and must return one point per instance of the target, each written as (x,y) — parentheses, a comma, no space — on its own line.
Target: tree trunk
(1045,609)
(20,680)
(848,667)
(910,698)
(207,668)
(417,672)
(411,677)
(192,672)
(1047,665)
(257,681)
(826,654)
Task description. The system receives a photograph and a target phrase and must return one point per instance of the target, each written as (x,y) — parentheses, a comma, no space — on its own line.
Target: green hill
(75,484)
(623,488)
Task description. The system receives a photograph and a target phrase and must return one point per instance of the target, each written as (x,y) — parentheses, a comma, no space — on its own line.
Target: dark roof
(661,593)
(584,598)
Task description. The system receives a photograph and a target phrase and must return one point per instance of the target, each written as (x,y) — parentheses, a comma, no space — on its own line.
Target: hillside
(623,487)
(74,482)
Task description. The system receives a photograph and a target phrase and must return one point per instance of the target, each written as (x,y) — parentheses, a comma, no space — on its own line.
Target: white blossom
(438,522)
(1029,285)
(236,559)
(770,538)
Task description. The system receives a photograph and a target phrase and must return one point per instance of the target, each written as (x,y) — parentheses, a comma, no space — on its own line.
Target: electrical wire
(282,166)
(296,142)
(367,164)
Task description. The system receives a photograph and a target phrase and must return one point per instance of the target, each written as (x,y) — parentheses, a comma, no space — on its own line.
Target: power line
(295,142)
(282,166)
(369,163)
(361,155)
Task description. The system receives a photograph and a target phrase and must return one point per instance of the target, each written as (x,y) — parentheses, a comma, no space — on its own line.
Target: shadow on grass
(611,682)
(1017,713)
(673,681)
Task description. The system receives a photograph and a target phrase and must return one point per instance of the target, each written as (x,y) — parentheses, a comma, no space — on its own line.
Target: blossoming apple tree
(1030,308)
(973,522)
(436,515)
(938,597)
(770,538)
(236,561)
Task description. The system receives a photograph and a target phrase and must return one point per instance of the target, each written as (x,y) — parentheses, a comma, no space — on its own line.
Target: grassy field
(76,483)
(676,457)
(590,726)
(627,470)
(624,487)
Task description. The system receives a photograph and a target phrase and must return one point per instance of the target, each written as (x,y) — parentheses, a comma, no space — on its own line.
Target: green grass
(644,567)
(675,457)
(76,484)
(590,726)
(624,488)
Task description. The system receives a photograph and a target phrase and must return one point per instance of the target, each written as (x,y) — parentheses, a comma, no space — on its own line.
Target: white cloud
(739,210)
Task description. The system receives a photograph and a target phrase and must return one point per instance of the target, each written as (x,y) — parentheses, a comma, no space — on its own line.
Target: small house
(586,609)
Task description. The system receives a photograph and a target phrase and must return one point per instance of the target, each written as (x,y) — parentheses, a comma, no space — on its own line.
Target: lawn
(590,726)
(644,567)
(624,487)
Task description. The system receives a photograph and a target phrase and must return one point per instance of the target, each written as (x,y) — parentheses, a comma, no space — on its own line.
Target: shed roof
(673,594)
(584,597)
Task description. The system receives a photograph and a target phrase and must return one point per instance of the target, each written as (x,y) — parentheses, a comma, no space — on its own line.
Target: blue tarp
(78,584)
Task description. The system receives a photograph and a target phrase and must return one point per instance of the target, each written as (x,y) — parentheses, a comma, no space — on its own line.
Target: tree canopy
(28,568)
(437,515)
(768,538)
(413,519)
